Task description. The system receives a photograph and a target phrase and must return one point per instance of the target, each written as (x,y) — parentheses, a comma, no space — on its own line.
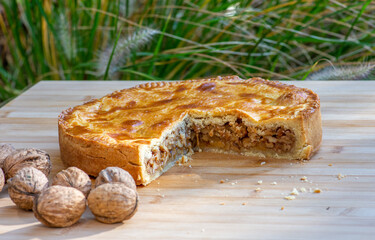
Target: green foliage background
(167,40)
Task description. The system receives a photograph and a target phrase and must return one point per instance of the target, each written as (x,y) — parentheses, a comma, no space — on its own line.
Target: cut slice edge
(231,134)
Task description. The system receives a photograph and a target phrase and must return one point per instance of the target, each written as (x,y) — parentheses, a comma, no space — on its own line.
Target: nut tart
(147,128)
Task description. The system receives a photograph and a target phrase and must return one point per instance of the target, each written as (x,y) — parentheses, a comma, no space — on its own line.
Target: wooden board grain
(189,202)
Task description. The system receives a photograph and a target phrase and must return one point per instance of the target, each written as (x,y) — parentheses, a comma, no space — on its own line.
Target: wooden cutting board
(191,202)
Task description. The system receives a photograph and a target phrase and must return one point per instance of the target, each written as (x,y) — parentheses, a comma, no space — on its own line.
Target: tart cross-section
(147,128)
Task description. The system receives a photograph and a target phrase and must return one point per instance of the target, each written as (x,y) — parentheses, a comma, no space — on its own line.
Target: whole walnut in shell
(73,177)
(2,179)
(29,157)
(25,185)
(5,151)
(113,202)
(59,206)
(115,174)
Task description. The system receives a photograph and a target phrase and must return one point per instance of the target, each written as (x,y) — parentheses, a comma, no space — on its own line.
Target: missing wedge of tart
(147,128)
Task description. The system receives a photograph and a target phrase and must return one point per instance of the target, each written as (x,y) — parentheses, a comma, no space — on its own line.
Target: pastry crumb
(330,164)
(289,197)
(294,192)
(303,190)
(163,196)
(340,176)
(317,190)
(282,208)
(222,181)
(222,203)
(260,182)
(258,189)
(262,163)
(274,183)
(244,203)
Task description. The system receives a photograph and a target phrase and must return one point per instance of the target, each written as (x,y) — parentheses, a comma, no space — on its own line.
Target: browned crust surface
(110,131)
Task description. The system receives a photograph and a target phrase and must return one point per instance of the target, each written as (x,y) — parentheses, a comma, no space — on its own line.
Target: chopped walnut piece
(289,197)
(304,178)
(340,176)
(294,192)
(317,190)
(184,159)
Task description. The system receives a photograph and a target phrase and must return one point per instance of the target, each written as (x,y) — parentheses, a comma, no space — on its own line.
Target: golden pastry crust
(121,128)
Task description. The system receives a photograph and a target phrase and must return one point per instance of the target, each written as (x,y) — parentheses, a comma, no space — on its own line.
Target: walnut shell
(2,179)
(59,206)
(113,202)
(5,151)
(29,157)
(25,185)
(73,177)
(115,174)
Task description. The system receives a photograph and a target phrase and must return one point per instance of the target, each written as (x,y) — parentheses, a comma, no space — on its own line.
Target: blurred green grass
(167,40)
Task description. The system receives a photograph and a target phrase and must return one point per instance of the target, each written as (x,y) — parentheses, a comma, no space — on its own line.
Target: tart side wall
(312,126)
(92,157)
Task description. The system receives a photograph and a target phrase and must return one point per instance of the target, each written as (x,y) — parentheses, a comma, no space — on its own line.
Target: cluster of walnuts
(113,199)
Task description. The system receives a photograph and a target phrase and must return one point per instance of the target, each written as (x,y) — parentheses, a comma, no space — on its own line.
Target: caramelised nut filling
(231,136)
(176,145)
(239,137)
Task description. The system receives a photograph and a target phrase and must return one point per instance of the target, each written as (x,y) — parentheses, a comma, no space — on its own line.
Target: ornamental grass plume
(65,36)
(115,55)
(365,71)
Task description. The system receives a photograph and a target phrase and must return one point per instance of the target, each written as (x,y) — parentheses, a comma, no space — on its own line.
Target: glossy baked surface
(142,113)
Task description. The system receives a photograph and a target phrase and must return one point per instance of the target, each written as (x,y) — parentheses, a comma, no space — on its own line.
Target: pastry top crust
(142,113)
